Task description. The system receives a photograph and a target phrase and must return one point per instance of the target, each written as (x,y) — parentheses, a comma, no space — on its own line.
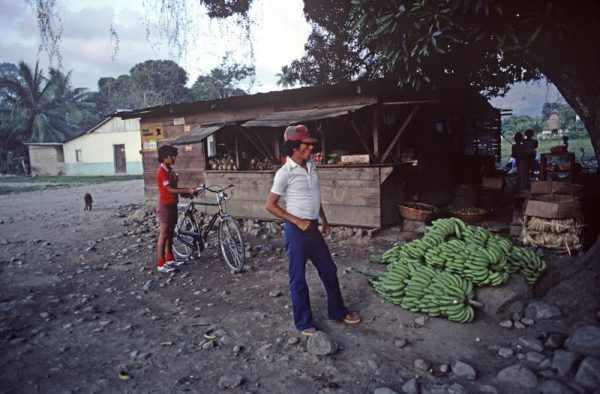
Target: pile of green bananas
(483,266)
(526,263)
(470,251)
(419,288)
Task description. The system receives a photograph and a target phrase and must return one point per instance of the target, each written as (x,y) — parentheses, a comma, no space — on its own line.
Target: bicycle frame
(202,233)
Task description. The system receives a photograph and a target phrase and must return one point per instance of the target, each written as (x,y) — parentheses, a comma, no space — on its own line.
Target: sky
(277,38)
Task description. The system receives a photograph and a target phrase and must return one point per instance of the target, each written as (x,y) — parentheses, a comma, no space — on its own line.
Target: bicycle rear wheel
(232,243)
(187,223)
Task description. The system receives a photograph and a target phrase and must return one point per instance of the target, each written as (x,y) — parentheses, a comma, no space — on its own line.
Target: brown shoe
(309,332)
(351,318)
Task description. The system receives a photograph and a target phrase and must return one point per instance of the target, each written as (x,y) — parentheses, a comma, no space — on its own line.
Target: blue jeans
(310,245)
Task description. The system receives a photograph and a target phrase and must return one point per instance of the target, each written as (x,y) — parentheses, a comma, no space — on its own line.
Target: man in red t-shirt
(166,211)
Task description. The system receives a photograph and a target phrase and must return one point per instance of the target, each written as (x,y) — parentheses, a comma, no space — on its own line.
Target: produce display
(419,288)
(561,234)
(446,263)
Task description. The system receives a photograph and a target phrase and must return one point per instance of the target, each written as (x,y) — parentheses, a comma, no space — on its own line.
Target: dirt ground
(82,309)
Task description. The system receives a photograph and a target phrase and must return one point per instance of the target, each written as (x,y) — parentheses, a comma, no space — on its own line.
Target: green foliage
(37,110)
(151,83)
(223,81)
(332,52)
(286,78)
(514,123)
(568,118)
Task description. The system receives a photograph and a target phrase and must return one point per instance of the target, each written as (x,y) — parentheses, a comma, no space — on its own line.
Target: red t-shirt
(165,176)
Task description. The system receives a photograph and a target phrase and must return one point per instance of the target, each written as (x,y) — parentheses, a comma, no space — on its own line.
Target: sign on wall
(151,134)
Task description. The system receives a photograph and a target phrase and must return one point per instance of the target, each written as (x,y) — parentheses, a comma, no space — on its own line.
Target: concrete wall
(97,153)
(46,160)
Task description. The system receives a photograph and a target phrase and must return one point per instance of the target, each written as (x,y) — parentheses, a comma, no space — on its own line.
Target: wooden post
(362,140)
(237,150)
(399,132)
(376,111)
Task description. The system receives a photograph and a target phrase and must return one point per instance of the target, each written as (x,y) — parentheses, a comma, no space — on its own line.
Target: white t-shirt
(300,189)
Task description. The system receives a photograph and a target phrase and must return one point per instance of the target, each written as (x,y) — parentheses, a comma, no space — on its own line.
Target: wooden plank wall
(350,196)
(188,166)
(249,194)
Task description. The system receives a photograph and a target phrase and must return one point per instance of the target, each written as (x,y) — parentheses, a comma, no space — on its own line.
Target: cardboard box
(553,207)
(355,159)
(556,187)
(492,183)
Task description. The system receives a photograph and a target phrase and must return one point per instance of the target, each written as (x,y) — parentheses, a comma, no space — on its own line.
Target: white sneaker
(174,263)
(165,269)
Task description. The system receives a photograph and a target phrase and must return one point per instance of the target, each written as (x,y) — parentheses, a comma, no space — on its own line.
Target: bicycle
(191,234)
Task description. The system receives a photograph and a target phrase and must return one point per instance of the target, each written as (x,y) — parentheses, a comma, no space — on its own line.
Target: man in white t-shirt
(297,180)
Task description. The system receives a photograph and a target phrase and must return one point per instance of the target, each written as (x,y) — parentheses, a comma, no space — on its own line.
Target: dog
(87,199)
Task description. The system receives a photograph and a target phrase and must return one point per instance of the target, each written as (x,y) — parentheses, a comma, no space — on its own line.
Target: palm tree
(75,103)
(33,99)
(287,78)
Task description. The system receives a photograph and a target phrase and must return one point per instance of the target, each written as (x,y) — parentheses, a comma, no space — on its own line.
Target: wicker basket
(468,217)
(417,211)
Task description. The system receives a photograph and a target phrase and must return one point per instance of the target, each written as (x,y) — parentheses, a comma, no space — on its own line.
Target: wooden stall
(381,145)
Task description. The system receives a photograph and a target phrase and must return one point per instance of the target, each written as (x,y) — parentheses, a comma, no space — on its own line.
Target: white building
(111,147)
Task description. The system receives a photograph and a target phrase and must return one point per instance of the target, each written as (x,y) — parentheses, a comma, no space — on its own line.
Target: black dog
(87,199)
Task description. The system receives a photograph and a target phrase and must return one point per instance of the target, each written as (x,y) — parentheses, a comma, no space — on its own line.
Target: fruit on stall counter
(256,164)
(224,162)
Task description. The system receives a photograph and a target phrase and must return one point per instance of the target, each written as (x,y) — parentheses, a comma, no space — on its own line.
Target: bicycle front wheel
(180,248)
(232,243)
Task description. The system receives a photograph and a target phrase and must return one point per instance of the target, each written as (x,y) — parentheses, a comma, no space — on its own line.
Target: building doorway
(120,161)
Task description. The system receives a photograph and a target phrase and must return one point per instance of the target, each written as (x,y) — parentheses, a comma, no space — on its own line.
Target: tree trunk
(581,91)
(575,70)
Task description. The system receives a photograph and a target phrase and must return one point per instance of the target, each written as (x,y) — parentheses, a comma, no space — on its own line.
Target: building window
(78,156)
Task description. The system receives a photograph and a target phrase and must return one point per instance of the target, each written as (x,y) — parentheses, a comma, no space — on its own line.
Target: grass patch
(31,183)
(544,145)
(11,189)
(69,180)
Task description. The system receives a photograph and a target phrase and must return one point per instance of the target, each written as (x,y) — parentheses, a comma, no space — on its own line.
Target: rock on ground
(411,387)
(384,390)
(555,387)
(497,299)
(585,340)
(518,375)
(320,344)
(564,362)
(464,370)
(588,374)
(539,310)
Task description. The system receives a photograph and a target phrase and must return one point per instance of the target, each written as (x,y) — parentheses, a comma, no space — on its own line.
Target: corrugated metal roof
(286,118)
(197,134)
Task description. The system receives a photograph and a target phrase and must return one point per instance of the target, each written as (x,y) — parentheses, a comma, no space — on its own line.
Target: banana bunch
(390,285)
(470,251)
(452,296)
(526,263)
(412,252)
(483,266)
(415,290)
(419,288)
(444,228)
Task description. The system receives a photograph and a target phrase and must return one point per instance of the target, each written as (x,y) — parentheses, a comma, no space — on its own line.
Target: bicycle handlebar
(202,188)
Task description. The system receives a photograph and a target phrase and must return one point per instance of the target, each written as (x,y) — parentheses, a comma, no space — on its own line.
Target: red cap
(298,133)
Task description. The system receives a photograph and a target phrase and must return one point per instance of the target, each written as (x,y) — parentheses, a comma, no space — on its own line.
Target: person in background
(298,181)
(565,142)
(166,211)
(522,163)
(529,146)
